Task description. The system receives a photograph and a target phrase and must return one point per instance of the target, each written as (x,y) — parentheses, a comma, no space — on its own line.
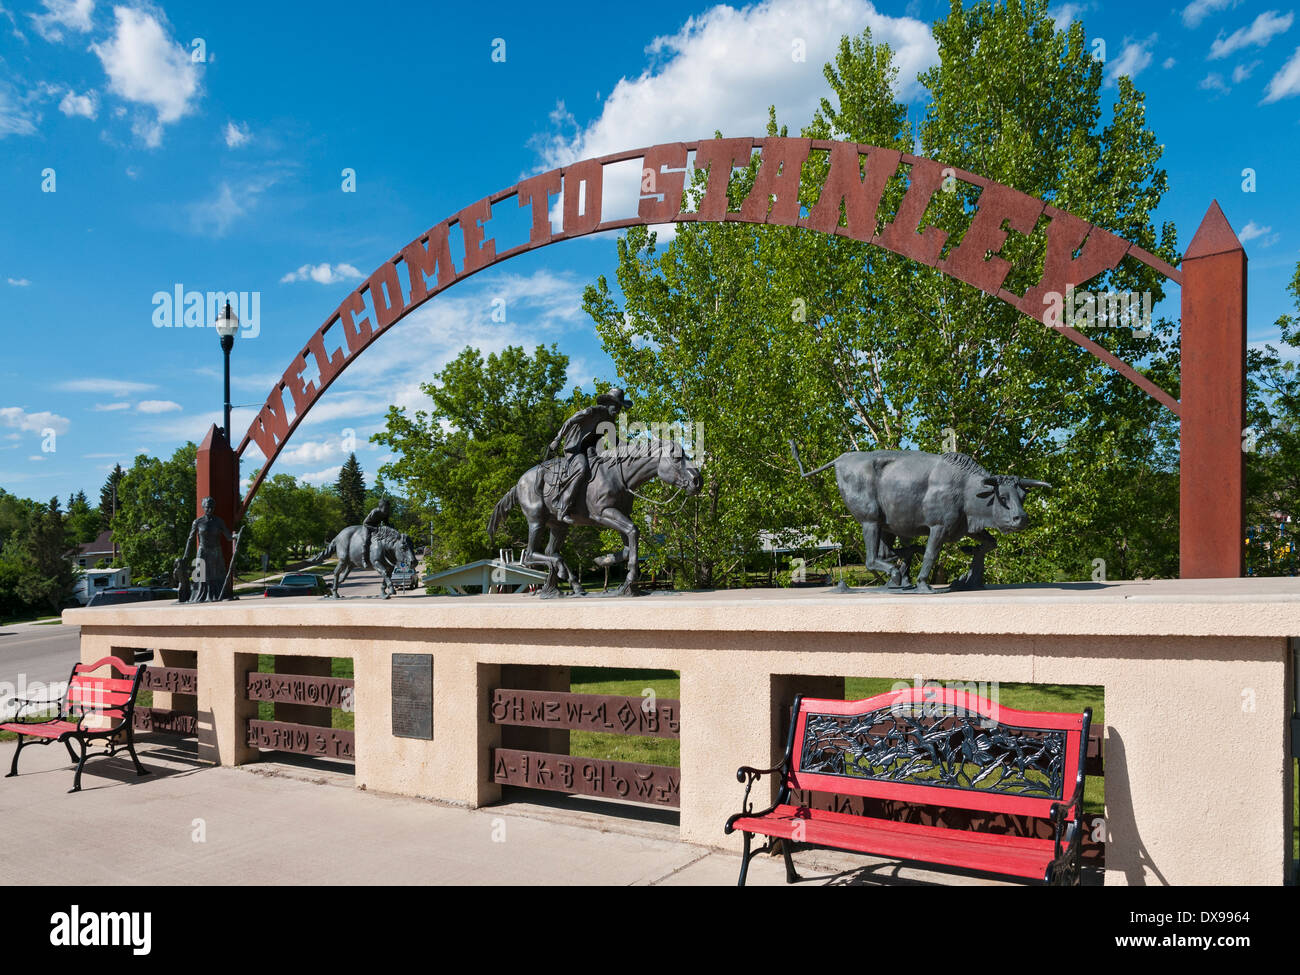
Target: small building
(487,575)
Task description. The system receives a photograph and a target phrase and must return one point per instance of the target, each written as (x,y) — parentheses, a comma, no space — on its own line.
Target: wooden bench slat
(1017,856)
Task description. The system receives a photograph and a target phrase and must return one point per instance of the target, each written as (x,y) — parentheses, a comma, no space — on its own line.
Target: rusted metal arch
(974,261)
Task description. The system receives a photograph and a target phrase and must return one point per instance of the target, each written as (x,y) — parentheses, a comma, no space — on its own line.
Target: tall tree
(352,491)
(48,577)
(84,523)
(1273,451)
(156,506)
(769,333)
(108,495)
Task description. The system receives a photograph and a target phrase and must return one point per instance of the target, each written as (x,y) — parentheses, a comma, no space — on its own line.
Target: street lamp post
(227,325)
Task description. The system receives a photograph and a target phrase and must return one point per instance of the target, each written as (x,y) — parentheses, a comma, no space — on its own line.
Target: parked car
(405,576)
(131,594)
(298,584)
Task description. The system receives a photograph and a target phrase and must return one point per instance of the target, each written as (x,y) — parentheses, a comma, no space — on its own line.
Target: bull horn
(1029,484)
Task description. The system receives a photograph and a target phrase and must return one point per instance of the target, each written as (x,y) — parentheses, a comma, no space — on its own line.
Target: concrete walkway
(278,823)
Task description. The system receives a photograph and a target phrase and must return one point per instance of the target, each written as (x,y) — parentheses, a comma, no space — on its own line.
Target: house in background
(87,555)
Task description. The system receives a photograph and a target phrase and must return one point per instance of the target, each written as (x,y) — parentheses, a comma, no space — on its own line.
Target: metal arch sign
(858,174)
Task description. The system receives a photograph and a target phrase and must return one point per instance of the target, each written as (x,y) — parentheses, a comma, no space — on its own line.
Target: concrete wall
(1195,674)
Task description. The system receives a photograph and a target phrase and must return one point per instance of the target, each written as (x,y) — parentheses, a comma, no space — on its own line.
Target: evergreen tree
(352,491)
(84,523)
(108,502)
(48,576)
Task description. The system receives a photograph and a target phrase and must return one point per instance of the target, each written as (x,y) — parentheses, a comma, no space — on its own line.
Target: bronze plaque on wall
(413,695)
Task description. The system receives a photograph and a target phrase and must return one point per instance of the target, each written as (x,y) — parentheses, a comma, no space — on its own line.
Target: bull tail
(503,508)
(798,463)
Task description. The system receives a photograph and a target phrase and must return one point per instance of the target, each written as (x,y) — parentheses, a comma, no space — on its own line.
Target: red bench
(933,747)
(91,709)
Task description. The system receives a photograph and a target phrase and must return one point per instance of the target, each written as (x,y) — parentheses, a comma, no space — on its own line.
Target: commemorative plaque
(413,695)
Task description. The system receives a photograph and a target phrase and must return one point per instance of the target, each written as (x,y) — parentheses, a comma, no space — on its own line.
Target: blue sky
(227,173)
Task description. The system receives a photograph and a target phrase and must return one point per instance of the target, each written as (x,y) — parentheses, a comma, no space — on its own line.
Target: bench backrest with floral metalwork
(939,747)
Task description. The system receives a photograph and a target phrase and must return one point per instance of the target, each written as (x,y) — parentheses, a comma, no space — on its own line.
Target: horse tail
(325,553)
(503,508)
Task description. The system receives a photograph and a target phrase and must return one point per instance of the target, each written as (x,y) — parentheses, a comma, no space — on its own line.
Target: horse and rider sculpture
(586,486)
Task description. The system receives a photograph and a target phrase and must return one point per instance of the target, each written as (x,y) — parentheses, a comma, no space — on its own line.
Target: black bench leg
(130,747)
(76,779)
(72,754)
(790,875)
(744,860)
(13,766)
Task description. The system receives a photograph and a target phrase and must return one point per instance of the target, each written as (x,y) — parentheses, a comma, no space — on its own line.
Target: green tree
(47,576)
(84,522)
(352,491)
(769,333)
(289,519)
(155,508)
(1273,460)
(108,495)
(491,419)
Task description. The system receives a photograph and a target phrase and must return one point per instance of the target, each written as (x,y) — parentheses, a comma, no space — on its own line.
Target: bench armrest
(1060,810)
(24,703)
(749,776)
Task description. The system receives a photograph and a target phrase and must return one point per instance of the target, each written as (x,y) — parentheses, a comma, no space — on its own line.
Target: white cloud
(1168,63)
(114,387)
(329,475)
(111,407)
(1261,30)
(323,273)
(19,282)
(157,406)
(63,15)
(1214,82)
(1253,231)
(237,134)
(1243,71)
(1286,82)
(726,66)
(87,105)
(17,418)
(1066,14)
(15,117)
(1132,60)
(218,214)
(146,66)
(1196,11)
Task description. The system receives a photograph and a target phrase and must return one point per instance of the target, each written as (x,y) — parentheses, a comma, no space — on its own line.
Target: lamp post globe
(227,324)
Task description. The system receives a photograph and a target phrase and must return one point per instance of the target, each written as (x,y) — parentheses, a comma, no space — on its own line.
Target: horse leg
(550,588)
(560,531)
(621,523)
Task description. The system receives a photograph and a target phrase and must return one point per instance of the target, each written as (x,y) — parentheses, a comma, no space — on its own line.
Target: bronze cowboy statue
(577,442)
(378,516)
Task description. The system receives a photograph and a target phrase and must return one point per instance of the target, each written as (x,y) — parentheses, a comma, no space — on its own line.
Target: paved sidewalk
(276,823)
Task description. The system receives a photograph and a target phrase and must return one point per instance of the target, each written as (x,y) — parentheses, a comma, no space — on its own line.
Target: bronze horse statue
(606,503)
(388,548)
